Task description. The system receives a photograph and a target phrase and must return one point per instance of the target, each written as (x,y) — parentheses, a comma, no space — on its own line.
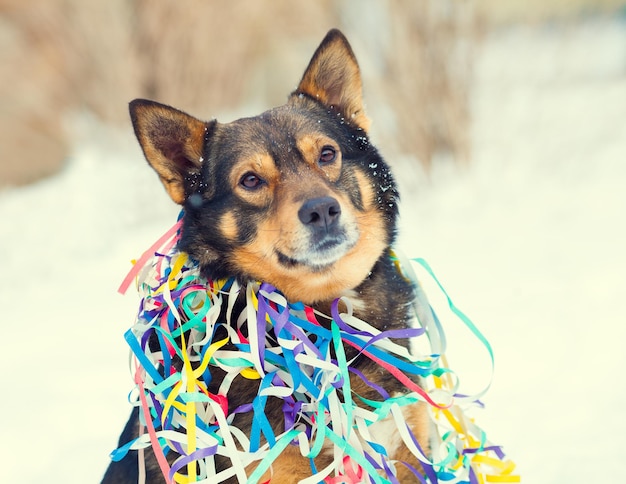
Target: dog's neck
(383,299)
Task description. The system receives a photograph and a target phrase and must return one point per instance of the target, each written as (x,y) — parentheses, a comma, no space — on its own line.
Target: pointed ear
(172,142)
(333,78)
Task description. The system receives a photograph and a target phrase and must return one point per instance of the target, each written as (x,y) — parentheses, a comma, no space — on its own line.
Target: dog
(297,197)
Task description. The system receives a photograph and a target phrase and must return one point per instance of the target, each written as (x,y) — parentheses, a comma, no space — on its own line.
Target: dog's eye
(328,155)
(251,181)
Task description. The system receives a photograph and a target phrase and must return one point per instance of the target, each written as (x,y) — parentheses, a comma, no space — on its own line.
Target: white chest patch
(385,433)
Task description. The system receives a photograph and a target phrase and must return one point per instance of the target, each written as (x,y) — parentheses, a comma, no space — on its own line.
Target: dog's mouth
(321,255)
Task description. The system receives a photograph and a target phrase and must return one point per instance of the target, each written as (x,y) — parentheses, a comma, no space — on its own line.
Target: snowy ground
(529,241)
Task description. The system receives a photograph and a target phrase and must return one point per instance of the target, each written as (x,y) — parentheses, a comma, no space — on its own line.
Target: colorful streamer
(181,310)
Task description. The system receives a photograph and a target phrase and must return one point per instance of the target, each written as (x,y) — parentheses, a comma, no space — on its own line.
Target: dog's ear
(333,78)
(172,142)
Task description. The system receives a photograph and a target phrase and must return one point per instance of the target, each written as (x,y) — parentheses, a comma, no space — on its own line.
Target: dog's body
(296,197)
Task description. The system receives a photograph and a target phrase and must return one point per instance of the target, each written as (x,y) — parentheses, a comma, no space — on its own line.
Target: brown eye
(328,155)
(251,181)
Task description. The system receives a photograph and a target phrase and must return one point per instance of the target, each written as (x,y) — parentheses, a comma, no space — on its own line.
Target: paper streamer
(282,348)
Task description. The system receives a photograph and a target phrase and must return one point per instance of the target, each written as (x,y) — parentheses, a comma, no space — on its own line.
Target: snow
(528,240)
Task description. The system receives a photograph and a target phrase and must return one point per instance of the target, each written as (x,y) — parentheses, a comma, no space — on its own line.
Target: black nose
(320,212)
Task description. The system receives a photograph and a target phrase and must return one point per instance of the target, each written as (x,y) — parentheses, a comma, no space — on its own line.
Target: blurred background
(504,122)
(63,60)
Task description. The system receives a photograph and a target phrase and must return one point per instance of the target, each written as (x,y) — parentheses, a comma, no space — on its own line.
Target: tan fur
(333,77)
(311,286)
(228,226)
(416,416)
(168,135)
(311,146)
(261,164)
(301,282)
(291,466)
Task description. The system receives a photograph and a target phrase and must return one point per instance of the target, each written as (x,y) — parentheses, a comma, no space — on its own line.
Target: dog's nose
(320,212)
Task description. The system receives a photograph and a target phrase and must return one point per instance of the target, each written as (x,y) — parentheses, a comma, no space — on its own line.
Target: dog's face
(296,196)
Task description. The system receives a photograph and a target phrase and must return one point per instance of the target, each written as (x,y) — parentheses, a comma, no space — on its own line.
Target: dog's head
(296,196)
